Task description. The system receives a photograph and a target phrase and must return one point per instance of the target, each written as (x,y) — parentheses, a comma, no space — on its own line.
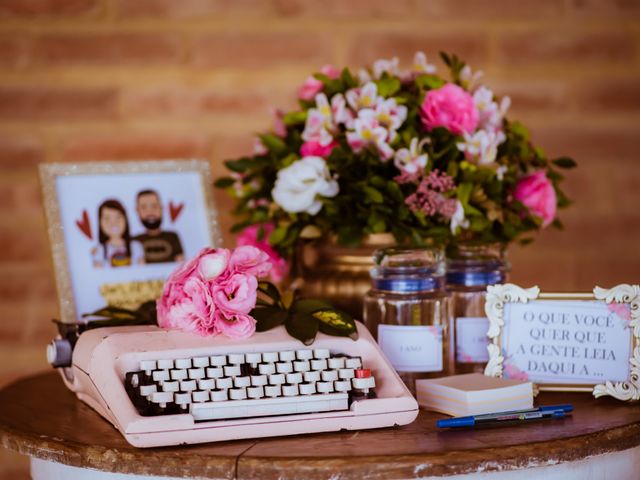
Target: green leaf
(294,118)
(268,317)
(348,79)
(373,195)
(224,182)
(564,162)
(387,86)
(270,290)
(464,192)
(303,326)
(242,164)
(273,143)
(278,235)
(336,322)
(429,82)
(309,305)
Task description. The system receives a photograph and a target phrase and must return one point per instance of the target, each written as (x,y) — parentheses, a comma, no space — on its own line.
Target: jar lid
(406,270)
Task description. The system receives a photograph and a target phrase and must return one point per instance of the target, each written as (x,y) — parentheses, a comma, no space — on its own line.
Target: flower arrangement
(409,152)
(218,292)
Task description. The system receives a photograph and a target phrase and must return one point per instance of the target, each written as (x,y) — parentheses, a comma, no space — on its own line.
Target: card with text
(587,342)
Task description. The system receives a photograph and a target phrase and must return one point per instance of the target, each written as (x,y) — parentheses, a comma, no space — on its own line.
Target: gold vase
(337,273)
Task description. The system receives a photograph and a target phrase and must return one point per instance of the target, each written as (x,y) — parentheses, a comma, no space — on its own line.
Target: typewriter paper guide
(103,356)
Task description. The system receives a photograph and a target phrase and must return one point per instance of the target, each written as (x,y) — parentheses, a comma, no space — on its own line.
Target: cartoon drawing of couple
(117,248)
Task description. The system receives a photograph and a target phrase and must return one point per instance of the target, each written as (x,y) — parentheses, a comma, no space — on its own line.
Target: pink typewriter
(162,387)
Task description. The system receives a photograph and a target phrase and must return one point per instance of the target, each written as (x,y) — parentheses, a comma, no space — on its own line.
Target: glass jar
(406,311)
(470,269)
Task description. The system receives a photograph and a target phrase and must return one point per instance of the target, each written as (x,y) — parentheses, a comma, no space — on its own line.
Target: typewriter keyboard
(252,384)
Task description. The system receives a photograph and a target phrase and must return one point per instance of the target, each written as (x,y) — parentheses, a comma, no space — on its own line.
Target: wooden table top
(41,418)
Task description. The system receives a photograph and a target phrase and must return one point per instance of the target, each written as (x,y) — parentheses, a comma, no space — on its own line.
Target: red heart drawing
(85,225)
(175,209)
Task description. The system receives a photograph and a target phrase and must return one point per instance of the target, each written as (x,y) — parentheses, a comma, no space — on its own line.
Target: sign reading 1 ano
(566,342)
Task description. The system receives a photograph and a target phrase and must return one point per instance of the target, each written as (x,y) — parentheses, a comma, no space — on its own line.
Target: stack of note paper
(473,394)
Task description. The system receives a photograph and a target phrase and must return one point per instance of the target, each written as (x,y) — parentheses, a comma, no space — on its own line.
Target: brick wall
(136,79)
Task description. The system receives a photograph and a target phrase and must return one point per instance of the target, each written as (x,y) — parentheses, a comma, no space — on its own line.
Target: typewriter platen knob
(59,353)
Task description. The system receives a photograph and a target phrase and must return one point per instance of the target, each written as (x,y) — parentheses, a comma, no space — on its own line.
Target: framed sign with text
(567,342)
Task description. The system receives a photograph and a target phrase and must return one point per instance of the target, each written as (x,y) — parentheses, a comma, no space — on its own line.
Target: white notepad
(473,394)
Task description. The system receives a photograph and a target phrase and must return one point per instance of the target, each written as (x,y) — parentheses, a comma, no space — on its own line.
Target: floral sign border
(499,295)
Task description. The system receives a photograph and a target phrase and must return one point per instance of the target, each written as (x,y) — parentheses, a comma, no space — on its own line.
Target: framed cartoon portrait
(567,342)
(118,229)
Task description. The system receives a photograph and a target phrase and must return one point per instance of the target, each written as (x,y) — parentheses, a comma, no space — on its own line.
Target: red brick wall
(135,79)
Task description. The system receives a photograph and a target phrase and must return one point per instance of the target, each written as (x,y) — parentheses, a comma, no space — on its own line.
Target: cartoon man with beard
(159,246)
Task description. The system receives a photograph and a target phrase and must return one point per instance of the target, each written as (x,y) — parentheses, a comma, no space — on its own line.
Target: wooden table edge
(513,457)
(379,466)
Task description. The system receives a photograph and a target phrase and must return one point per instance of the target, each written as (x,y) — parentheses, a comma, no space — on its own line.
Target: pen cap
(456,422)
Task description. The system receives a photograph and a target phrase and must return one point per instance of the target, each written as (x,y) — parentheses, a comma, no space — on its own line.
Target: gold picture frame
(499,296)
(49,175)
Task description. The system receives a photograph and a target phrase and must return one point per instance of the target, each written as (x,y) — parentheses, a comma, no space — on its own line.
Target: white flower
(298,186)
(364,76)
(410,160)
(500,171)
(458,219)
(392,67)
(468,79)
(341,114)
(363,97)
(491,114)
(482,146)
(420,64)
(319,123)
(368,131)
(390,115)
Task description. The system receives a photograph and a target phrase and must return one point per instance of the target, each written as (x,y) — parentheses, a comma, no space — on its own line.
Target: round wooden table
(39,417)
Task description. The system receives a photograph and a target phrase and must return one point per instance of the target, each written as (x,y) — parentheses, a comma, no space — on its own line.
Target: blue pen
(547,411)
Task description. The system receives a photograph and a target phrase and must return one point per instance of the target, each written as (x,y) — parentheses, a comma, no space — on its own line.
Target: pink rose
(536,192)
(315,149)
(249,236)
(235,295)
(250,260)
(193,312)
(451,107)
(310,88)
(236,325)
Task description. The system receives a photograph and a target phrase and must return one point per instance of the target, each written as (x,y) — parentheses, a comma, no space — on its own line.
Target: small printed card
(412,348)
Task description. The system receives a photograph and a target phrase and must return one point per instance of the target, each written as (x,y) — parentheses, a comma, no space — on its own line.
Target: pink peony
(310,88)
(236,325)
(236,295)
(249,236)
(315,149)
(536,192)
(451,107)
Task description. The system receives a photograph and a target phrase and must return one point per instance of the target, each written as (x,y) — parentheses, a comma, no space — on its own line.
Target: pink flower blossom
(536,192)
(235,325)
(249,236)
(192,310)
(211,265)
(279,128)
(451,107)
(315,149)
(310,88)
(213,292)
(428,197)
(236,295)
(330,71)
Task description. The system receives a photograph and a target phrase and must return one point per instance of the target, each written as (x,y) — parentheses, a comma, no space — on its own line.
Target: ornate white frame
(48,175)
(499,295)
